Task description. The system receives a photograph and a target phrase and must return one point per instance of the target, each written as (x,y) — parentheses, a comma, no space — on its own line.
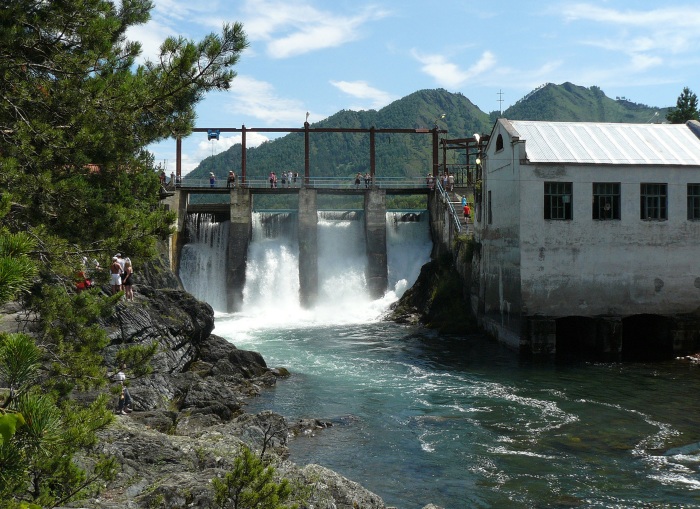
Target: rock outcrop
(189,421)
(437,300)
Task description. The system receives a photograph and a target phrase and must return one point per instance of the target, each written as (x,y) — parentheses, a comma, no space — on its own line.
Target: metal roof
(609,143)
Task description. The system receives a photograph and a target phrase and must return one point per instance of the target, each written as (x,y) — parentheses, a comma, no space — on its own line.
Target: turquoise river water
(460,422)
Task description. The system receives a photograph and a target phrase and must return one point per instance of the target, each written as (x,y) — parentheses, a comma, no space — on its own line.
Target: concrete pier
(375,235)
(308,247)
(176,202)
(237,250)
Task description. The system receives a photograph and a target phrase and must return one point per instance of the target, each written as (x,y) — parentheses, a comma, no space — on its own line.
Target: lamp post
(436,164)
(477,178)
(440,117)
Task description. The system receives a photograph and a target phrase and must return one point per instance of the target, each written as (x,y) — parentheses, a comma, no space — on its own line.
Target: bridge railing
(316,183)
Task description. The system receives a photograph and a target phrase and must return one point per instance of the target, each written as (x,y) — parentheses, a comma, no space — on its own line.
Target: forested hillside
(344,154)
(340,154)
(571,103)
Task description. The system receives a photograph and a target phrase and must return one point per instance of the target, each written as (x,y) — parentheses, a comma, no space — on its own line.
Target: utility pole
(500,103)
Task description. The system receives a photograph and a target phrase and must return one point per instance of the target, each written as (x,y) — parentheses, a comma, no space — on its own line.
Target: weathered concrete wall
(442,228)
(620,267)
(500,301)
(237,250)
(375,235)
(176,203)
(308,247)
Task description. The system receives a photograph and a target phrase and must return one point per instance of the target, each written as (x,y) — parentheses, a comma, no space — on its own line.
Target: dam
(236,209)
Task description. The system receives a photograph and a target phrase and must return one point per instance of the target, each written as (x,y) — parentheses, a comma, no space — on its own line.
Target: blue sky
(322,56)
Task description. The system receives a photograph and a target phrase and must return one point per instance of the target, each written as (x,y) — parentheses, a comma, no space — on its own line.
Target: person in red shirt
(467,212)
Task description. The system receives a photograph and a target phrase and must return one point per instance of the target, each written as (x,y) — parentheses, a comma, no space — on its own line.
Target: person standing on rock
(115,275)
(124,405)
(128,280)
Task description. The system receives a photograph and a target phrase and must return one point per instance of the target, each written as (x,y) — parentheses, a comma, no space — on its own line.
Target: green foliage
(72,337)
(250,485)
(686,108)
(76,180)
(17,270)
(138,357)
(77,113)
(570,103)
(19,361)
(8,426)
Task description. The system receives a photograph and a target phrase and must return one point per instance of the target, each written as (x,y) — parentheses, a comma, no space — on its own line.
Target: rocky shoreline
(189,420)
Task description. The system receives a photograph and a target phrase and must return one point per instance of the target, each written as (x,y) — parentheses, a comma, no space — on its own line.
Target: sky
(323,56)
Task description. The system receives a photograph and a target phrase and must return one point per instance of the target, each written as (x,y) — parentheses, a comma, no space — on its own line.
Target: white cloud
(259,99)
(665,17)
(291,29)
(450,75)
(362,90)
(664,30)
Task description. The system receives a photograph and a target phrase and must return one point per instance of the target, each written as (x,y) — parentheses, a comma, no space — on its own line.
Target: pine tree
(76,114)
(686,108)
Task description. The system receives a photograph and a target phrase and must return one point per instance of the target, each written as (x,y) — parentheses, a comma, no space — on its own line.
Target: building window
(693,202)
(606,200)
(653,202)
(499,143)
(490,218)
(558,200)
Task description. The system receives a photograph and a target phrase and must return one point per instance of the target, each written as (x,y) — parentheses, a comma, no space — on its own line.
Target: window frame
(653,197)
(606,201)
(558,201)
(693,200)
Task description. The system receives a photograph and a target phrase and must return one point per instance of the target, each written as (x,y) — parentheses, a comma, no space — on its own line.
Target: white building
(590,238)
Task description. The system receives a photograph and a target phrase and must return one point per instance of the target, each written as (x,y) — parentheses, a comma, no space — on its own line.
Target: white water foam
(271,293)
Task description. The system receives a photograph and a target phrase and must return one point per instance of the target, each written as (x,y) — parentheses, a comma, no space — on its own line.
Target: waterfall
(203,259)
(271,293)
(272,270)
(408,246)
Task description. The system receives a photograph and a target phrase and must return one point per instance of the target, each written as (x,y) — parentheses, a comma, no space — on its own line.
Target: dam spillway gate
(238,210)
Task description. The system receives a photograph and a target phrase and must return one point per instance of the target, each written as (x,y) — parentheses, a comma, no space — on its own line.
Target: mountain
(571,103)
(345,154)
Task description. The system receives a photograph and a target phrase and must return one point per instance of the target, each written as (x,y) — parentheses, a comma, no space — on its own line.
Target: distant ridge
(570,103)
(336,154)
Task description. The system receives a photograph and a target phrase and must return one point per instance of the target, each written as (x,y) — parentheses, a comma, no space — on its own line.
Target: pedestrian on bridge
(231,180)
(358,179)
(212,179)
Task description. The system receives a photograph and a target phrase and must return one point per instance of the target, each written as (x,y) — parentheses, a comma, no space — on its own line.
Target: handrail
(314,182)
(445,197)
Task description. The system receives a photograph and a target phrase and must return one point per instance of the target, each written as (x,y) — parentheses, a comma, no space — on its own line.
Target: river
(461,422)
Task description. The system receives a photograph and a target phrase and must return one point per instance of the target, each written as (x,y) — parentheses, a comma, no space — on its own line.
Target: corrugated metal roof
(608,143)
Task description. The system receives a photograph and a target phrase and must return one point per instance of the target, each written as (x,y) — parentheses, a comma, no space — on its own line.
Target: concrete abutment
(375,235)
(240,232)
(308,247)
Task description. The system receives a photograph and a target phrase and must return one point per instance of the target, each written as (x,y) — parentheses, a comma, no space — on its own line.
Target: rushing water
(459,422)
